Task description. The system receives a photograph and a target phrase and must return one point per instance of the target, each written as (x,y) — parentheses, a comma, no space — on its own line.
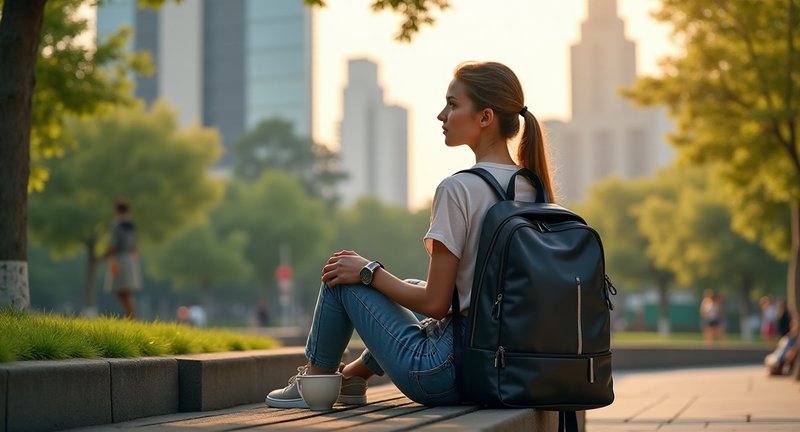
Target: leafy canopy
(734,91)
(129,153)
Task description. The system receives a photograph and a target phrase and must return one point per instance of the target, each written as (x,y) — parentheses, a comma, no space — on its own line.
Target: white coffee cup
(319,391)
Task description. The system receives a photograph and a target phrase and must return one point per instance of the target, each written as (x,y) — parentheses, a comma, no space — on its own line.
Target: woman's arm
(432,300)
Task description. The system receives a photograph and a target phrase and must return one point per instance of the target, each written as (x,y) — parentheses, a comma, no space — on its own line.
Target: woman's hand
(343,268)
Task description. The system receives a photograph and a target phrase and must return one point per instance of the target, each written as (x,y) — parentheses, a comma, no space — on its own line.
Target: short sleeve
(448,217)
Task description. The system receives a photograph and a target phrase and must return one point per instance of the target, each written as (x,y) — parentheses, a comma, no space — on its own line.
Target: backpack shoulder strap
(488,178)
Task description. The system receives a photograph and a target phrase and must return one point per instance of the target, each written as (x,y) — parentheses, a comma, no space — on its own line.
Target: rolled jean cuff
(371,363)
(321,364)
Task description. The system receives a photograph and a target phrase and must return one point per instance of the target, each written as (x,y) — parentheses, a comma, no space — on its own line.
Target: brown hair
(493,85)
(122,205)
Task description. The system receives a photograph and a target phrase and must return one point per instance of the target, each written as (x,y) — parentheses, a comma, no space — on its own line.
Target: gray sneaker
(353,391)
(289,396)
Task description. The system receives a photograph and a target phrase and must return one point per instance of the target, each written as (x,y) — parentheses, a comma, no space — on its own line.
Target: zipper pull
(496,306)
(499,358)
(609,289)
(542,226)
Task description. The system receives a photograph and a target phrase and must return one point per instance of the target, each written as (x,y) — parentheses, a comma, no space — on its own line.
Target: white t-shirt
(459,207)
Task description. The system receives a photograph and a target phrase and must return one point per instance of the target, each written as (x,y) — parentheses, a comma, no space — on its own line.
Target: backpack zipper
(496,306)
(499,358)
(580,330)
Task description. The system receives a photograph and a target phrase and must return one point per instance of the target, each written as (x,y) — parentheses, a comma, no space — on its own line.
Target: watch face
(366,276)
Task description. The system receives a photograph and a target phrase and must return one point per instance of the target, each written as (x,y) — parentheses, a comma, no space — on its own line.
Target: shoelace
(301,370)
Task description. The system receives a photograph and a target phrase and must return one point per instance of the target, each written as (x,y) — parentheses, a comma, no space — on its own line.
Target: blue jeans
(417,355)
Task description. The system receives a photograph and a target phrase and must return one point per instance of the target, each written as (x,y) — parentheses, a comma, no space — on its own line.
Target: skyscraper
(606,135)
(374,140)
(226,64)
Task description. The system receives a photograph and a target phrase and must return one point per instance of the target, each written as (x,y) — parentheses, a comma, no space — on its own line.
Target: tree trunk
(89,291)
(744,308)
(663,308)
(20,30)
(793,278)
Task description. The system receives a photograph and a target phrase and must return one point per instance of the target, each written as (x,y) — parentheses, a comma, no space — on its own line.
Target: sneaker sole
(352,400)
(286,403)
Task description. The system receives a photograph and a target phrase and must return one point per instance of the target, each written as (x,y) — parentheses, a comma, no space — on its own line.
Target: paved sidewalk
(740,398)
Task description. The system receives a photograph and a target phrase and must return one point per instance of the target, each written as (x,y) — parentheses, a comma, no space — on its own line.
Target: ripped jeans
(417,355)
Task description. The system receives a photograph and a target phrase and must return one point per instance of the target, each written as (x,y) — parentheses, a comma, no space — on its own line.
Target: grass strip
(34,336)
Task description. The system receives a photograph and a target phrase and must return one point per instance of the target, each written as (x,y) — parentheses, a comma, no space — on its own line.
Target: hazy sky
(530,36)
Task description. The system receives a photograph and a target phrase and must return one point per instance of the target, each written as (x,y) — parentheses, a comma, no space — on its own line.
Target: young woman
(484,103)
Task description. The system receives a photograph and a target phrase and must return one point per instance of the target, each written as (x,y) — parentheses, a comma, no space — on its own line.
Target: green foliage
(274,212)
(75,80)
(691,236)
(25,336)
(392,235)
(200,258)
(273,145)
(129,153)
(609,209)
(735,92)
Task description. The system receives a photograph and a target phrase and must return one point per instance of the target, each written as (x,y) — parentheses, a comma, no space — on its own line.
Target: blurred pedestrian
(783,318)
(711,313)
(768,315)
(124,276)
(262,313)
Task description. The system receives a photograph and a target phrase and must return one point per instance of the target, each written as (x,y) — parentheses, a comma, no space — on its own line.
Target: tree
(129,153)
(200,258)
(275,213)
(70,81)
(691,236)
(273,145)
(20,34)
(610,209)
(392,235)
(735,92)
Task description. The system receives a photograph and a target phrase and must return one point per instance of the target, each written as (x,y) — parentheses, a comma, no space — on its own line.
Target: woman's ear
(487,117)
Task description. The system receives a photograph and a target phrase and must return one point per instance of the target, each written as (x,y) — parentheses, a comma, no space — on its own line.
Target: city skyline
(532,37)
(416,75)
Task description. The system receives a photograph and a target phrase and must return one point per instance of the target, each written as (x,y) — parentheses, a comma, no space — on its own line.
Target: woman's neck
(494,150)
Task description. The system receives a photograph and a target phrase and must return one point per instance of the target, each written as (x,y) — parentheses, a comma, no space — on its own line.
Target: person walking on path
(406,324)
(124,273)
(712,315)
(768,315)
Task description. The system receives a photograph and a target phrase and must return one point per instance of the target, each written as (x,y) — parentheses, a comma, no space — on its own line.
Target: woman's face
(460,122)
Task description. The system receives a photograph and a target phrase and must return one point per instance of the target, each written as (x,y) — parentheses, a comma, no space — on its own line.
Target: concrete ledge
(52,395)
(654,356)
(216,381)
(143,387)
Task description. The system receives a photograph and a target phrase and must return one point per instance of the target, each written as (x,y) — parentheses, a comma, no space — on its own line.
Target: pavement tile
(740,398)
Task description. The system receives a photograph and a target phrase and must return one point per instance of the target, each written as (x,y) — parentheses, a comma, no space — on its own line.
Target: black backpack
(538,328)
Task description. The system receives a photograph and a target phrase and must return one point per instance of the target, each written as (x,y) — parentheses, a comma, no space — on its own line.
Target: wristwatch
(368,272)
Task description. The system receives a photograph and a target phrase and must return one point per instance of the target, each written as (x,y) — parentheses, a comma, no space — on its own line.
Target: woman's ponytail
(532,153)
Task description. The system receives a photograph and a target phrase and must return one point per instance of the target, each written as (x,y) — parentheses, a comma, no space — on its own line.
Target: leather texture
(538,332)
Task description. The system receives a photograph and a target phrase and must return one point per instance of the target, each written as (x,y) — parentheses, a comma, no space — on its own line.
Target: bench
(388,410)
